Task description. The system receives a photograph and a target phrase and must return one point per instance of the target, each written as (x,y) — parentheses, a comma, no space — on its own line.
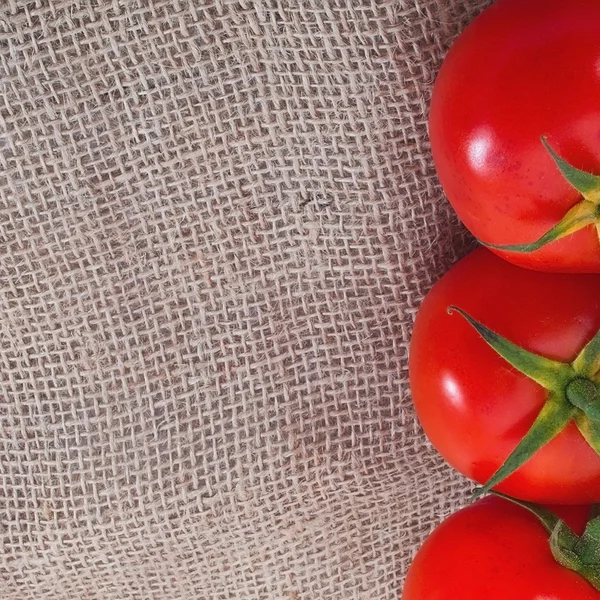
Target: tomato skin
(472,404)
(521,70)
(492,550)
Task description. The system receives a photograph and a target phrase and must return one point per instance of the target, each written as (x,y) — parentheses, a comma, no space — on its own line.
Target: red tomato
(523,69)
(475,407)
(492,550)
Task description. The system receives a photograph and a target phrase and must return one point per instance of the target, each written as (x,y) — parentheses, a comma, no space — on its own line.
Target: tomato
(474,407)
(521,70)
(492,550)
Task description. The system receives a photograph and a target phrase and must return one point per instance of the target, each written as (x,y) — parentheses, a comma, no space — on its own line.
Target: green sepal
(589,429)
(585,183)
(546,517)
(550,374)
(563,543)
(572,396)
(581,215)
(557,411)
(587,362)
(555,415)
(588,545)
(576,553)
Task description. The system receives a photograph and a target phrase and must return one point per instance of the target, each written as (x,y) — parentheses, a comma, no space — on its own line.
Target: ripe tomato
(493,550)
(523,69)
(474,407)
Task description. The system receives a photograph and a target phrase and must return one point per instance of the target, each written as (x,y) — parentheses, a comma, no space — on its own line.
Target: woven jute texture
(217,221)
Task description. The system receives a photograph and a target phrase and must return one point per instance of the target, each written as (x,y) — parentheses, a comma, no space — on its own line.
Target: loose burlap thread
(217,221)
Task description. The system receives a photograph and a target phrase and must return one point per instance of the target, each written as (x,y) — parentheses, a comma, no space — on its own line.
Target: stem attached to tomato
(573,395)
(576,553)
(584,213)
(583,393)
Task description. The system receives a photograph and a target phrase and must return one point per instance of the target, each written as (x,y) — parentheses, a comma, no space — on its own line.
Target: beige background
(217,221)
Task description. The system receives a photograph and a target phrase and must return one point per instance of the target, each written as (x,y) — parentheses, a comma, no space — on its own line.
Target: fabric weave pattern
(217,221)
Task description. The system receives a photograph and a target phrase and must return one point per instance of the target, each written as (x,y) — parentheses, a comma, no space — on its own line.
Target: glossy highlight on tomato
(494,550)
(522,70)
(474,407)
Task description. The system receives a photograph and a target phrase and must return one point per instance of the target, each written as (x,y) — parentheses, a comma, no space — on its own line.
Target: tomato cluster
(505,353)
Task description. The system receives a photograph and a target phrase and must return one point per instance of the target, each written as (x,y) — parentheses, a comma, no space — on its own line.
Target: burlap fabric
(217,221)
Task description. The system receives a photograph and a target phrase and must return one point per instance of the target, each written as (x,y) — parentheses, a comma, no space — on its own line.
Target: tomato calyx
(576,553)
(584,213)
(583,393)
(573,395)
